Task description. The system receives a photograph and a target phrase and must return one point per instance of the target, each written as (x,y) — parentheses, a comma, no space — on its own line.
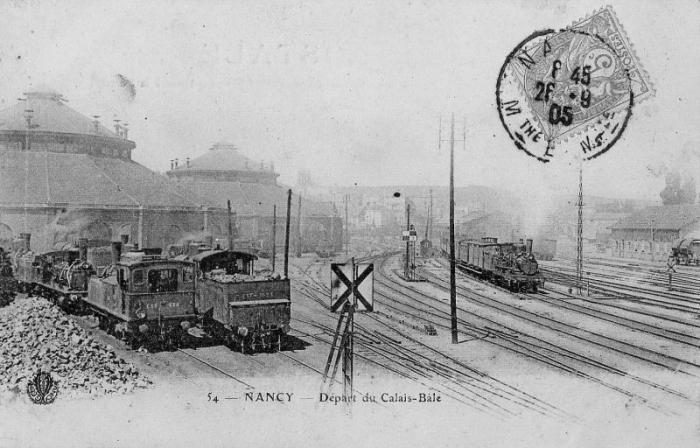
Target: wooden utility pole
(408,242)
(286,237)
(299,230)
(347,233)
(430,217)
(453,280)
(579,232)
(230,226)
(273,253)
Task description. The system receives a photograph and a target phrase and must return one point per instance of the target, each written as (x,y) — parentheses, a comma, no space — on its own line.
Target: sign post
(352,290)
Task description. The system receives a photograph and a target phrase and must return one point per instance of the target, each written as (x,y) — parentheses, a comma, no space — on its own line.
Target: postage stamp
(571,90)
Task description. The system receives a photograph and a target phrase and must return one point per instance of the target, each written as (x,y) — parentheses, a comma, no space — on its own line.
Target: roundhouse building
(64,175)
(223,174)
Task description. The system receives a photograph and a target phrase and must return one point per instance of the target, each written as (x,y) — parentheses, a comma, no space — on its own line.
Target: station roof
(49,114)
(666,217)
(46,178)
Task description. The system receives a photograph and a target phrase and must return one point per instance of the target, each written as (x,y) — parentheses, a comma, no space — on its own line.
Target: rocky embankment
(36,335)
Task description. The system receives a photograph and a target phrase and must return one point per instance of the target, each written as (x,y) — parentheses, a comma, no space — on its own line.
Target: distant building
(651,232)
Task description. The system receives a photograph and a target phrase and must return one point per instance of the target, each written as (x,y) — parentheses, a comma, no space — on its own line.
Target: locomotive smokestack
(209,241)
(82,249)
(26,240)
(528,244)
(193,249)
(116,251)
(124,240)
(521,241)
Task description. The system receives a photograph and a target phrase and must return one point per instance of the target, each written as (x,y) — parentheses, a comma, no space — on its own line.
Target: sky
(351,91)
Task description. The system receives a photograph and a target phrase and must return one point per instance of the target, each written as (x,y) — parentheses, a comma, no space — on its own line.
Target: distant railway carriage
(686,251)
(252,312)
(511,265)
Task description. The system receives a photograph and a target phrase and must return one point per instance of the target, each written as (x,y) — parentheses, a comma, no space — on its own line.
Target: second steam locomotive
(511,265)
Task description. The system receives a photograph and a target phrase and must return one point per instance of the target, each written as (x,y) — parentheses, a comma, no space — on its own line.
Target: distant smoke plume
(680,171)
(128,87)
(677,191)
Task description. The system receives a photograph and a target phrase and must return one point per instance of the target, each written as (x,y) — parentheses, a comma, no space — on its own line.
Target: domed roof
(49,113)
(222,156)
(46,178)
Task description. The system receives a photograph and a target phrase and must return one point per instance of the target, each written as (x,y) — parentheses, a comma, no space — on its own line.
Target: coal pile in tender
(35,334)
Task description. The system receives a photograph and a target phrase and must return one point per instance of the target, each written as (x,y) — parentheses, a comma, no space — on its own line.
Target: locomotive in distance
(685,251)
(510,265)
(145,298)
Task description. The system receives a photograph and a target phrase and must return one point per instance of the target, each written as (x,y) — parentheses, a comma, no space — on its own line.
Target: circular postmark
(563,92)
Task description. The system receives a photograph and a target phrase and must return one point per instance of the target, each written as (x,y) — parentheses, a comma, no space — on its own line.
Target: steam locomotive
(236,306)
(686,251)
(511,265)
(146,298)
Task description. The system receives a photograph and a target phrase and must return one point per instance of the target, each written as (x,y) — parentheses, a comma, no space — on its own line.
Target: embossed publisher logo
(42,389)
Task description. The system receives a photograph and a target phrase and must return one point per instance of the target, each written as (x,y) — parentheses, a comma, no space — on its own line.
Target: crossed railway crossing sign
(344,281)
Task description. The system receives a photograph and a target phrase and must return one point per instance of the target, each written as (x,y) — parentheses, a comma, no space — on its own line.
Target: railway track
(622,347)
(517,342)
(213,367)
(686,276)
(415,361)
(527,345)
(664,299)
(408,359)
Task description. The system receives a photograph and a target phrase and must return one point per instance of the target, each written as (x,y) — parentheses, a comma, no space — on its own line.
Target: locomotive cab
(145,296)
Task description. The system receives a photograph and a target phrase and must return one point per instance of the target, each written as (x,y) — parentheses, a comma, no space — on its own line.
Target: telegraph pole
(430,217)
(579,245)
(230,226)
(347,225)
(453,279)
(273,255)
(299,230)
(286,236)
(29,115)
(651,228)
(408,242)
